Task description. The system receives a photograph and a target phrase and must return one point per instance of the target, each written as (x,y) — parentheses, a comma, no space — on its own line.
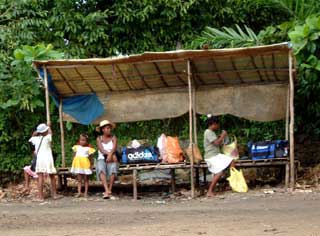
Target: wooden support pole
(190,128)
(63,156)
(291,131)
(47,95)
(135,185)
(287,114)
(194,113)
(287,175)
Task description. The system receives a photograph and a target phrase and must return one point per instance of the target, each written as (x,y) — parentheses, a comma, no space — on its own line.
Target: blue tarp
(84,108)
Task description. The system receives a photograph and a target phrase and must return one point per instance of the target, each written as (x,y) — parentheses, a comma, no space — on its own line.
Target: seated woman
(216,161)
(107,163)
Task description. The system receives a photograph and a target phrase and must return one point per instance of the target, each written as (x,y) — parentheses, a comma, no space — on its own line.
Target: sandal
(106,196)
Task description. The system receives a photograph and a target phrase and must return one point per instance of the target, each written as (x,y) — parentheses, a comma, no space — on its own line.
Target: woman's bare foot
(85,195)
(210,194)
(25,191)
(77,195)
(57,196)
(38,200)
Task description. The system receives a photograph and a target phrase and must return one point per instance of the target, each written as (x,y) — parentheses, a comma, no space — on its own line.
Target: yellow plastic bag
(231,149)
(237,181)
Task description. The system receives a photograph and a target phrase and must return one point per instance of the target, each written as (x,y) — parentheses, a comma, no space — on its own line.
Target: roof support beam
(102,77)
(264,66)
(83,80)
(65,80)
(177,75)
(255,66)
(160,74)
(141,76)
(195,72)
(123,77)
(236,70)
(216,69)
(273,66)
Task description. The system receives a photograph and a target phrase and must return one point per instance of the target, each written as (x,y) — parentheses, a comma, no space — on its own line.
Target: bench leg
(197,177)
(59,182)
(135,187)
(204,175)
(65,182)
(173,181)
(287,175)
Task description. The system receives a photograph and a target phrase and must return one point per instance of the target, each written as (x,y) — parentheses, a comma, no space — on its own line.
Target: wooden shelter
(256,83)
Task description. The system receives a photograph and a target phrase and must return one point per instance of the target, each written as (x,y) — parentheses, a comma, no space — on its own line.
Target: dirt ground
(258,212)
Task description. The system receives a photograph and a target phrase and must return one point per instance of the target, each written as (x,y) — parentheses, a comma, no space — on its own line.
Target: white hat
(42,128)
(104,123)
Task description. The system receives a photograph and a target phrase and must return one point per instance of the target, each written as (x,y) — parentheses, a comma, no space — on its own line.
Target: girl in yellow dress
(82,163)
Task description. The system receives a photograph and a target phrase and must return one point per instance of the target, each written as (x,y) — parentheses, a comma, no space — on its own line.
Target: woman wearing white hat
(41,139)
(107,163)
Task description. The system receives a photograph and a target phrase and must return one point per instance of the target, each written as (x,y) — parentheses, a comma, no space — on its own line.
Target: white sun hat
(42,128)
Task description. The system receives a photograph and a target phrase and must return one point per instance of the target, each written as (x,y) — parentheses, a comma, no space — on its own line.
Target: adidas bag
(140,155)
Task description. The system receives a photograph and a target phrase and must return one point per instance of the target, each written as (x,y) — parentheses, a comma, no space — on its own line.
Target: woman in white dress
(41,139)
(216,161)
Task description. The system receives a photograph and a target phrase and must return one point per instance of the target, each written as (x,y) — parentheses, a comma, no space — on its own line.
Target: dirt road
(254,213)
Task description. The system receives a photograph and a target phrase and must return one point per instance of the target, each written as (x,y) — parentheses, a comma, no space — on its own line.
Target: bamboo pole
(195,134)
(287,114)
(190,127)
(291,131)
(47,94)
(63,155)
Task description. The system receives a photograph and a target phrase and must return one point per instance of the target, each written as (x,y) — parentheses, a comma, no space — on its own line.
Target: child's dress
(81,162)
(45,162)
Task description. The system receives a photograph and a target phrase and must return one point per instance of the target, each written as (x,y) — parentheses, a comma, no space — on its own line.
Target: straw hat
(42,128)
(104,123)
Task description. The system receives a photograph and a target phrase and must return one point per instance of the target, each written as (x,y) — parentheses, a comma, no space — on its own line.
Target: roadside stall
(255,83)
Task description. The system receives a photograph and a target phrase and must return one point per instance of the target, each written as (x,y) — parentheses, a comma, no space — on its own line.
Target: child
(29,171)
(81,164)
(41,139)
(107,163)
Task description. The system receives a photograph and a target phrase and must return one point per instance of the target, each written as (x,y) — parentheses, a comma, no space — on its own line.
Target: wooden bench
(134,168)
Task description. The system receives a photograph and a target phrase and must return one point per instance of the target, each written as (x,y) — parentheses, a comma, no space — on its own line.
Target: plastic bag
(231,149)
(161,144)
(237,181)
(196,153)
(174,152)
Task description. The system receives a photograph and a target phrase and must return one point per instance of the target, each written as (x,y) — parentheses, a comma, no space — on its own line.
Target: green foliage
(98,28)
(306,42)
